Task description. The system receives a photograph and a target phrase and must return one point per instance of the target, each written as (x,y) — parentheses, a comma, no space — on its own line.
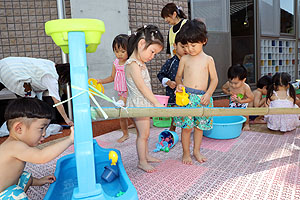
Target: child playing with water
(117,76)
(194,71)
(239,91)
(143,45)
(281,94)
(27,121)
(168,73)
(259,101)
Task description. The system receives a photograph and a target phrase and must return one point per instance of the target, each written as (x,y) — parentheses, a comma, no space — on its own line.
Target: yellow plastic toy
(98,86)
(113,156)
(182,98)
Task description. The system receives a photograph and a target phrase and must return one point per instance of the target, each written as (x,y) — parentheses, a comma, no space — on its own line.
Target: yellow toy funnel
(58,30)
(182,98)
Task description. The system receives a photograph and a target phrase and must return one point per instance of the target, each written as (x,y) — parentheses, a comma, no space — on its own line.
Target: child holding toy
(168,73)
(117,76)
(259,101)
(239,91)
(27,120)
(281,94)
(143,45)
(194,71)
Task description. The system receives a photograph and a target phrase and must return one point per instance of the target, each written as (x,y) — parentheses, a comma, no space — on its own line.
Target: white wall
(114,14)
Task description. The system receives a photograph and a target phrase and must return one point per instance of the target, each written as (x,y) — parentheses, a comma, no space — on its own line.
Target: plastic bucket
(225,127)
(165,133)
(162,99)
(110,173)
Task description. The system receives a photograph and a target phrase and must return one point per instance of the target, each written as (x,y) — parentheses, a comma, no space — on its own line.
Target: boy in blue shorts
(27,121)
(193,73)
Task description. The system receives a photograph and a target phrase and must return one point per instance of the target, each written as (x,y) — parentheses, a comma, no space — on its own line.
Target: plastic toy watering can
(182,98)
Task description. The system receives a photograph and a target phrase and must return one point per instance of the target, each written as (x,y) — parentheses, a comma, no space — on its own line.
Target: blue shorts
(17,191)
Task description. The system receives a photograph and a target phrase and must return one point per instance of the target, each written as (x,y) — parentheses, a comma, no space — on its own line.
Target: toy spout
(113,156)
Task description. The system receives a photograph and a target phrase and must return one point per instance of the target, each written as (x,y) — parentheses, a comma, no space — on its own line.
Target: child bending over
(168,73)
(193,73)
(118,77)
(259,101)
(142,47)
(239,91)
(281,94)
(27,121)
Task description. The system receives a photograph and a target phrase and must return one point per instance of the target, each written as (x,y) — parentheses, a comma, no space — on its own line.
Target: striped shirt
(120,81)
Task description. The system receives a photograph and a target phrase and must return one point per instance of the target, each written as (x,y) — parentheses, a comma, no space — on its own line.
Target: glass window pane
(269,17)
(214,13)
(287,16)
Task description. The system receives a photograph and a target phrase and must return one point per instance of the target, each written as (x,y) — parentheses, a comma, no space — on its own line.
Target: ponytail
(170,8)
(149,33)
(292,92)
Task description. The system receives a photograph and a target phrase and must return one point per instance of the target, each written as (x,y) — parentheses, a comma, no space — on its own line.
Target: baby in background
(259,101)
(117,76)
(194,71)
(239,91)
(168,73)
(281,94)
(27,121)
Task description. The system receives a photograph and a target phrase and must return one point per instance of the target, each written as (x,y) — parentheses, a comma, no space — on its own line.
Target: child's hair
(63,71)
(149,33)
(237,71)
(169,9)
(264,81)
(27,108)
(194,31)
(281,79)
(120,40)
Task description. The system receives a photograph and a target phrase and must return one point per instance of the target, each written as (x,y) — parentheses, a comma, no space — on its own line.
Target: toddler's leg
(198,135)
(246,124)
(186,140)
(123,124)
(143,130)
(124,128)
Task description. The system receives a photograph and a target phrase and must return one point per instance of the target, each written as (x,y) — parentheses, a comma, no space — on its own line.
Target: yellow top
(172,36)
(58,30)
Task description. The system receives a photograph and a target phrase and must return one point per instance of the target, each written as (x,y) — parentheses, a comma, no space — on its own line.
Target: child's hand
(171,84)
(179,88)
(46,179)
(71,136)
(158,105)
(205,99)
(99,81)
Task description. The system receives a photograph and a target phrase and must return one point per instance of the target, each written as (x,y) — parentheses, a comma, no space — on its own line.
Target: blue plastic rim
(225,127)
(173,134)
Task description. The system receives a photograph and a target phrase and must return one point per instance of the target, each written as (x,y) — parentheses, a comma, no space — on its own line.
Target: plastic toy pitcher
(182,98)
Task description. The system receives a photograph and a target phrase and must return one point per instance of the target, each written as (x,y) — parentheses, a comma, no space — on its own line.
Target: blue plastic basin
(225,127)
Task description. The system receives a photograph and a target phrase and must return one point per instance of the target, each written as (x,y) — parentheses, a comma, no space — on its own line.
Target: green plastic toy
(241,96)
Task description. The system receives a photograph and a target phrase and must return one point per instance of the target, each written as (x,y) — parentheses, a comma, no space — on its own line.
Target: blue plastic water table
(78,175)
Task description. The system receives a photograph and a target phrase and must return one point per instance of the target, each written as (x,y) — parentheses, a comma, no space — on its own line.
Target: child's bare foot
(187,160)
(152,159)
(199,157)
(131,126)
(246,127)
(123,138)
(259,121)
(146,167)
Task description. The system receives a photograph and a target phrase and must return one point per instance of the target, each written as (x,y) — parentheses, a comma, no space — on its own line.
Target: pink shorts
(122,93)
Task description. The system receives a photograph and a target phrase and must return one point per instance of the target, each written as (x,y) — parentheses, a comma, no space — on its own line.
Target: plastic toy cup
(93,82)
(162,99)
(182,98)
(110,173)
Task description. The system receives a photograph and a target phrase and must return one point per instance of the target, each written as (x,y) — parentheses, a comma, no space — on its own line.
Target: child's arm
(178,78)
(248,94)
(205,99)
(26,153)
(42,181)
(109,79)
(136,75)
(163,75)
(225,88)
(258,100)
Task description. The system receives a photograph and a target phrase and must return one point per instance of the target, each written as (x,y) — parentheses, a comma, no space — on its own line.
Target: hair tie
(145,26)
(179,7)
